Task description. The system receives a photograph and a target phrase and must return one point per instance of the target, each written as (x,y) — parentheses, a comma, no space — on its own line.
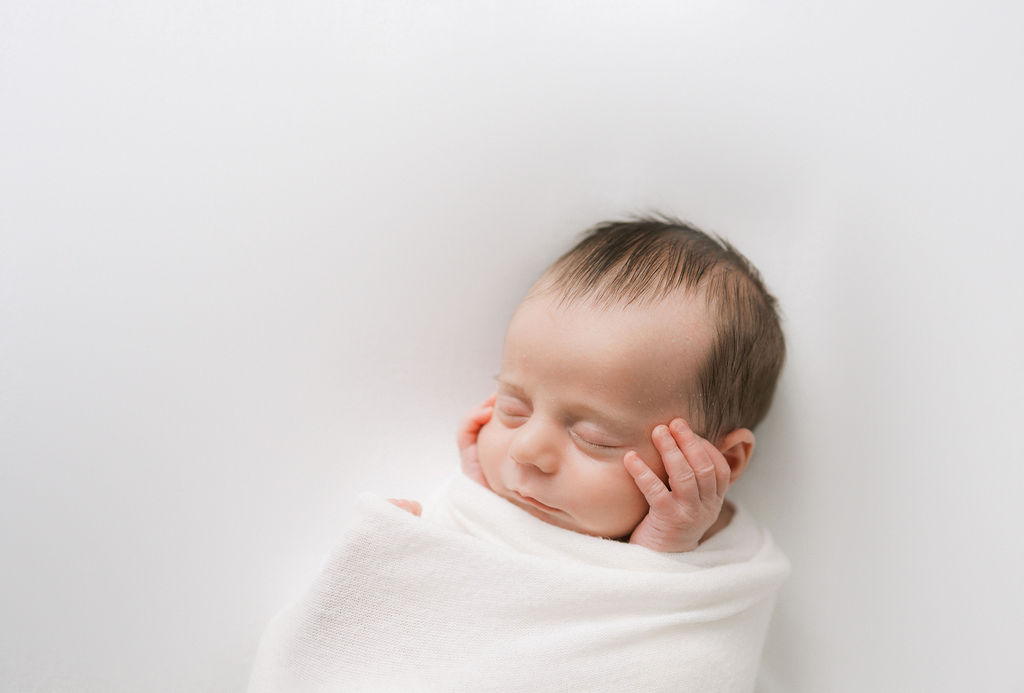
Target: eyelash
(510,415)
(587,442)
(573,433)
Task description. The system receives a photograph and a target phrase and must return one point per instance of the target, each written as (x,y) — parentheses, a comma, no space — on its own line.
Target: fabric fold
(479,595)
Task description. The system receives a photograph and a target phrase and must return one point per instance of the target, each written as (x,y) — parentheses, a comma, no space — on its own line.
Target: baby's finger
(482,414)
(470,427)
(650,485)
(467,434)
(722,472)
(693,447)
(681,480)
(409,505)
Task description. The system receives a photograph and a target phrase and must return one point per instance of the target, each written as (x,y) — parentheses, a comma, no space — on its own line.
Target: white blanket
(479,595)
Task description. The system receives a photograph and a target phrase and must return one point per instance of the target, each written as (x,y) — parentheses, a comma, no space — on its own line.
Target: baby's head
(641,322)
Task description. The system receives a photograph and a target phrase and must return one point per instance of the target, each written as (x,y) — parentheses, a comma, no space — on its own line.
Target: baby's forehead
(635,353)
(687,313)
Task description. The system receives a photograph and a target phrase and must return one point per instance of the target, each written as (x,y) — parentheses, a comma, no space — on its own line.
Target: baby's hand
(410,505)
(466,437)
(698,477)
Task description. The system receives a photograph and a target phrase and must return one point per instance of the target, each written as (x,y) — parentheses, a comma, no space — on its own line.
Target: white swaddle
(479,595)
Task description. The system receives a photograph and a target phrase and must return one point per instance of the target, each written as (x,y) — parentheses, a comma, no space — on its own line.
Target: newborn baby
(587,544)
(632,375)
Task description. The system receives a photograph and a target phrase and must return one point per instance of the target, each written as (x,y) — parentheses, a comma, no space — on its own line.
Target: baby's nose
(544,463)
(535,444)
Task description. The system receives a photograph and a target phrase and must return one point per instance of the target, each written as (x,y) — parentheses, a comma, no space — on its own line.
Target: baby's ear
(737,447)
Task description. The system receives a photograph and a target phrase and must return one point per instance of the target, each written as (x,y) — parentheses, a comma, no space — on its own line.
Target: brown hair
(648,258)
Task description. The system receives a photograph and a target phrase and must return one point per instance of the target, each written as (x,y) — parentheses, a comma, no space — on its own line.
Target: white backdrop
(258,257)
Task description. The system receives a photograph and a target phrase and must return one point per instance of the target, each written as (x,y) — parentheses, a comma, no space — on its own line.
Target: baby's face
(579,387)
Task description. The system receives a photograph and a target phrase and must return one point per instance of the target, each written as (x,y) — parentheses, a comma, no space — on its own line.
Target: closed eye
(592,444)
(511,415)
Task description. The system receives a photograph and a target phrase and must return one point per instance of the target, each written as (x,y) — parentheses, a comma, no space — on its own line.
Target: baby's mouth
(536,503)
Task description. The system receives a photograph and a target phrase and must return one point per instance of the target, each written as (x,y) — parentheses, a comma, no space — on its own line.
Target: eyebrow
(511,386)
(613,424)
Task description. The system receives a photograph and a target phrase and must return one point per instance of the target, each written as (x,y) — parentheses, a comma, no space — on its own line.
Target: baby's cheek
(632,505)
(489,448)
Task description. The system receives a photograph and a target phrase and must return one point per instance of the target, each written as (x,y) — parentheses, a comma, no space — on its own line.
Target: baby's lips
(536,503)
